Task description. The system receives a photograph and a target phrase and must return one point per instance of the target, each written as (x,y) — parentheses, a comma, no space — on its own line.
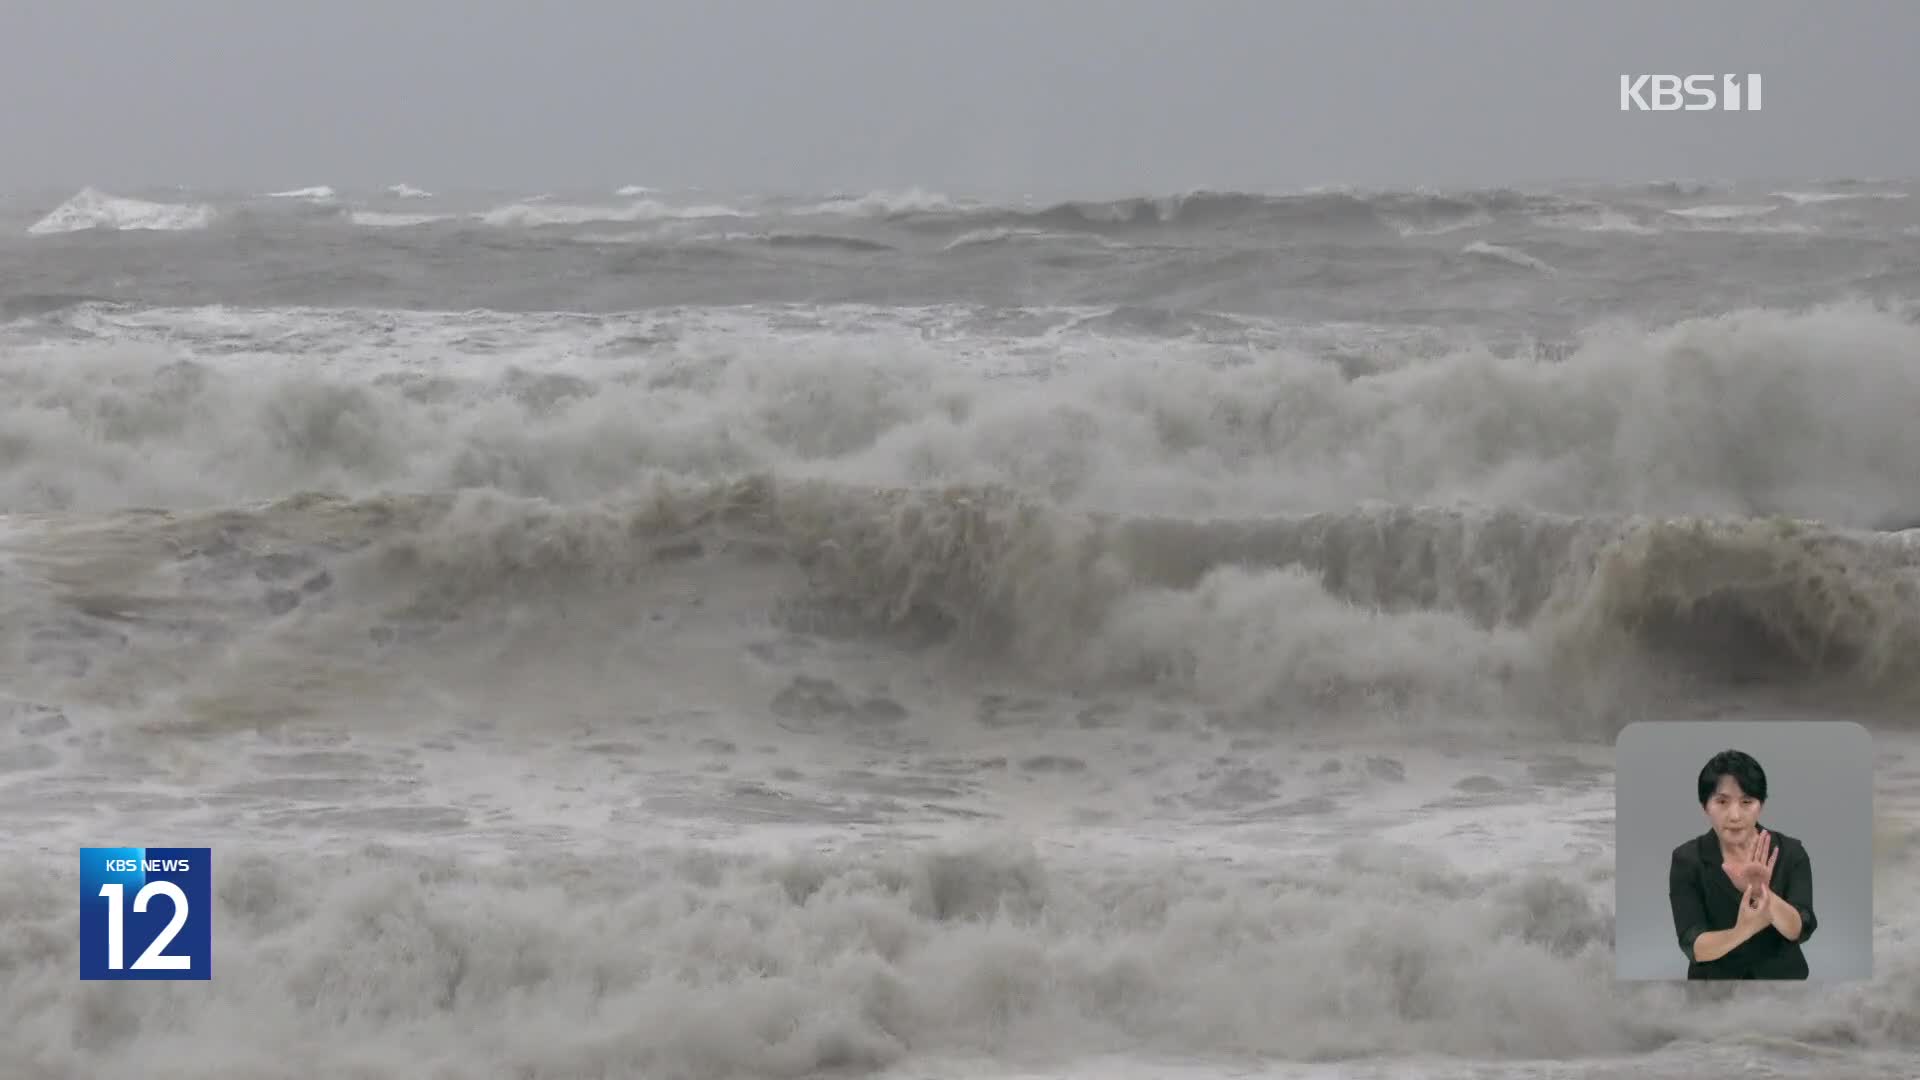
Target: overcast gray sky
(1084,96)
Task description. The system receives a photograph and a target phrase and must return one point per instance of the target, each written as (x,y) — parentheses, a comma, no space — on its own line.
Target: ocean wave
(319,194)
(1470,534)
(1412,213)
(1685,189)
(1750,414)
(387,219)
(1412,228)
(1600,219)
(1505,254)
(1723,211)
(1814,198)
(797,241)
(1403,213)
(1007,235)
(1407,214)
(532,214)
(1421,617)
(1263,617)
(93,209)
(887,204)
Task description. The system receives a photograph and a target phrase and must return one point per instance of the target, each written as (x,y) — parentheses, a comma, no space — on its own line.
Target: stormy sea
(911,635)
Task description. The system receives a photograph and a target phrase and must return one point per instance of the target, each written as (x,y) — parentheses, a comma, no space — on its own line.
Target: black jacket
(1704,898)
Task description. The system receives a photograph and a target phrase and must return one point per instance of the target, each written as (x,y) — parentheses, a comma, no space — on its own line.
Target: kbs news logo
(1694,93)
(153,906)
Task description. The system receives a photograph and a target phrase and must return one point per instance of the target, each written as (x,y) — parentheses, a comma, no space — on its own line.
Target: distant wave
(1194,210)
(818,241)
(92,208)
(321,193)
(720,241)
(537,214)
(1508,255)
(1411,215)
(1416,228)
(1806,198)
(888,204)
(1600,219)
(1002,235)
(384,219)
(1683,189)
(1723,212)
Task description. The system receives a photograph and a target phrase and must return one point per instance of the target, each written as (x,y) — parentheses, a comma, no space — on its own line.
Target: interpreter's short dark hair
(1745,771)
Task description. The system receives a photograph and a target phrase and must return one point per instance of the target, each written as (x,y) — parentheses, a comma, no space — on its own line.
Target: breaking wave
(1437,615)
(92,209)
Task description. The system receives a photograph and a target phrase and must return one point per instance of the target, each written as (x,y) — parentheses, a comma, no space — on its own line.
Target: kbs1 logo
(146,913)
(1693,93)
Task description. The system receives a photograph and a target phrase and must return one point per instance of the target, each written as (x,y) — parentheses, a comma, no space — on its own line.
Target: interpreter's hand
(1754,866)
(1753,916)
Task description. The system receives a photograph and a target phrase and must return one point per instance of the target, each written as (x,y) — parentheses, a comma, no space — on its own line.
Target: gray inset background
(1820,791)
